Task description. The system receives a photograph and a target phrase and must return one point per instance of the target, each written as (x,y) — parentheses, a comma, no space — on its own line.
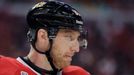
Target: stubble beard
(60,62)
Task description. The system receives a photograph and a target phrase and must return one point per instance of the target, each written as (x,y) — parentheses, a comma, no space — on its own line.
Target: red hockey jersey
(11,66)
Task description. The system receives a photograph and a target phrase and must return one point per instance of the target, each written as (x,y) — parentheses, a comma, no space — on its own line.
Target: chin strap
(33,44)
(47,53)
(55,70)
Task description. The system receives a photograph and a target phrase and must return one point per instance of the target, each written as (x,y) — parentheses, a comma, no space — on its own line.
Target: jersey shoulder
(7,65)
(75,70)
(7,62)
(10,66)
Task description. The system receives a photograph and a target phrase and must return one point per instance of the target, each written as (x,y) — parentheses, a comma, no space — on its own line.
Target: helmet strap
(47,53)
(33,44)
(55,70)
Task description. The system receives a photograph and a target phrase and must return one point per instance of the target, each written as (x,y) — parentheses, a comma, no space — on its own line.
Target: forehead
(69,31)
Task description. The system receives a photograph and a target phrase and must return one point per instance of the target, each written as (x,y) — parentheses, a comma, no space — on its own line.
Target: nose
(75,46)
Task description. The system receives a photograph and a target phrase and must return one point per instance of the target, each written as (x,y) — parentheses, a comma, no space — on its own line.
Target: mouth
(69,57)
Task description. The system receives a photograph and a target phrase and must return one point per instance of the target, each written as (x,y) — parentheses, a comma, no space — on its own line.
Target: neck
(39,60)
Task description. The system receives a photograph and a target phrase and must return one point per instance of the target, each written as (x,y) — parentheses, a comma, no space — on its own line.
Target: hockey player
(55,33)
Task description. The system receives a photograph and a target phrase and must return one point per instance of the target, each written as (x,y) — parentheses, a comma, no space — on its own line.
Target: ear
(42,34)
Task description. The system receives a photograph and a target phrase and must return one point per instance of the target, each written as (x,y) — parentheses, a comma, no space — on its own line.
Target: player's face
(65,45)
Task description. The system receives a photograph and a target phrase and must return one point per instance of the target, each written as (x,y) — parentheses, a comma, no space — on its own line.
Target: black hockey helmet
(53,15)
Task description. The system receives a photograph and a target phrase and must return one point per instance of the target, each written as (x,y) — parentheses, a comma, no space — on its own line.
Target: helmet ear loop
(32,35)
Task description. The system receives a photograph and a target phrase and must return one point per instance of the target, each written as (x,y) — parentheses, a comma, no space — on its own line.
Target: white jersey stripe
(22,62)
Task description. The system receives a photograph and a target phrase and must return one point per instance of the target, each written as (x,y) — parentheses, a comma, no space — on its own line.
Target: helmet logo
(39,5)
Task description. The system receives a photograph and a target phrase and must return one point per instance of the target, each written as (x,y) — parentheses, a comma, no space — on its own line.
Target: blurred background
(110,25)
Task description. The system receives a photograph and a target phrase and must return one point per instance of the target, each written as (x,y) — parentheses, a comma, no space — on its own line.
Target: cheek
(61,44)
(58,50)
(60,47)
